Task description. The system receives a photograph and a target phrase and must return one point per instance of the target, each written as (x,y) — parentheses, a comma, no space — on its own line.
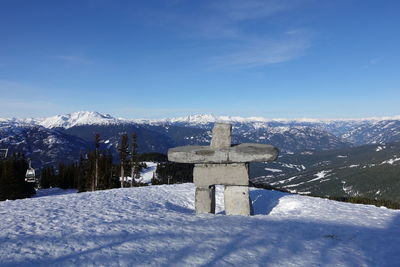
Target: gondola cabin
(3,153)
(30,176)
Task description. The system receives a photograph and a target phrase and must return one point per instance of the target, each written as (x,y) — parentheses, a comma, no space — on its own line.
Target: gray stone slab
(239,153)
(221,135)
(227,174)
(237,200)
(205,199)
(197,154)
(249,152)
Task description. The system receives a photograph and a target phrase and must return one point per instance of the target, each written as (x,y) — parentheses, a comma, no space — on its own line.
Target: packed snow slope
(156,225)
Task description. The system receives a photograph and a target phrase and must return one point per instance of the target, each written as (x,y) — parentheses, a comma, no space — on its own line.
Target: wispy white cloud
(238,10)
(246,34)
(225,19)
(266,51)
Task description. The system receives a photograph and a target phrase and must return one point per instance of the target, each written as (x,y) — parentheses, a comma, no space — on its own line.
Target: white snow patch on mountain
(284,181)
(354,166)
(390,161)
(293,166)
(156,225)
(320,175)
(272,170)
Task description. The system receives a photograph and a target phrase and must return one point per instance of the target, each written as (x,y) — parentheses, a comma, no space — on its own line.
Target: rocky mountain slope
(44,146)
(370,171)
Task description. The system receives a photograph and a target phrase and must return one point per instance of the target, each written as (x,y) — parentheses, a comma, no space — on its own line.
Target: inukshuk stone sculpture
(222,164)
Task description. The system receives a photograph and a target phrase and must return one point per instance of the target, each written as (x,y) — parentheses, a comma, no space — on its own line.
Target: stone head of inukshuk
(222,163)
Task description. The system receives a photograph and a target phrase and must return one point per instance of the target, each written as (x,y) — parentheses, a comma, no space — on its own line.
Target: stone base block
(205,199)
(226,174)
(237,200)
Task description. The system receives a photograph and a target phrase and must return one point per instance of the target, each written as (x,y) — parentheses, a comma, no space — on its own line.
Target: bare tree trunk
(122,176)
(132,175)
(96,172)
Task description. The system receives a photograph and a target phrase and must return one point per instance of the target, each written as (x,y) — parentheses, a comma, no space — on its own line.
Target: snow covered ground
(156,225)
(54,192)
(146,174)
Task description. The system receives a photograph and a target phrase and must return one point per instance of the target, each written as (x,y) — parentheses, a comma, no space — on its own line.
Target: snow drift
(156,225)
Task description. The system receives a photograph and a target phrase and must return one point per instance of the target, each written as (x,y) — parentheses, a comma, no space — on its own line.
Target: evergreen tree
(171,173)
(47,177)
(111,181)
(96,174)
(83,170)
(135,168)
(90,174)
(123,156)
(12,178)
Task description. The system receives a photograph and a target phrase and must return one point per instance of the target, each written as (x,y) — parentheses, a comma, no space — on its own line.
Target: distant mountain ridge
(76,131)
(93,117)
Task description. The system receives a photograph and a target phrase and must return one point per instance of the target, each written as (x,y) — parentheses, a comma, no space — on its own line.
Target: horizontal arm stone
(239,153)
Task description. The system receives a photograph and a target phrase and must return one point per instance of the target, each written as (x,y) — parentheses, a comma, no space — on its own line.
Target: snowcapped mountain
(376,132)
(77,119)
(339,127)
(156,226)
(210,118)
(44,146)
(291,136)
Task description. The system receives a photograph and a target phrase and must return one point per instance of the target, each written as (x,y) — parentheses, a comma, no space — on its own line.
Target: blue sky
(154,59)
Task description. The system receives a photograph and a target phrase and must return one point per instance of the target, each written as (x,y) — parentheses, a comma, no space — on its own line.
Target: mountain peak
(78,118)
(211,118)
(197,118)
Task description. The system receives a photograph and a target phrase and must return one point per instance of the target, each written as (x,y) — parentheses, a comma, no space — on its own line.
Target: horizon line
(216,118)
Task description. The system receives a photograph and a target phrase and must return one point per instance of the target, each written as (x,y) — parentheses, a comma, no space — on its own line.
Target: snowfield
(146,174)
(156,225)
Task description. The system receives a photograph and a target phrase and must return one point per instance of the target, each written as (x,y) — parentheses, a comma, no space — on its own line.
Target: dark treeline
(173,173)
(97,170)
(355,200)
(153,156)
(82,175)
(368,201)
(12,178)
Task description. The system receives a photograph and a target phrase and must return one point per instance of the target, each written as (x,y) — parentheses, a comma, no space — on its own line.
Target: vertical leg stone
(237,200)
(205,199)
